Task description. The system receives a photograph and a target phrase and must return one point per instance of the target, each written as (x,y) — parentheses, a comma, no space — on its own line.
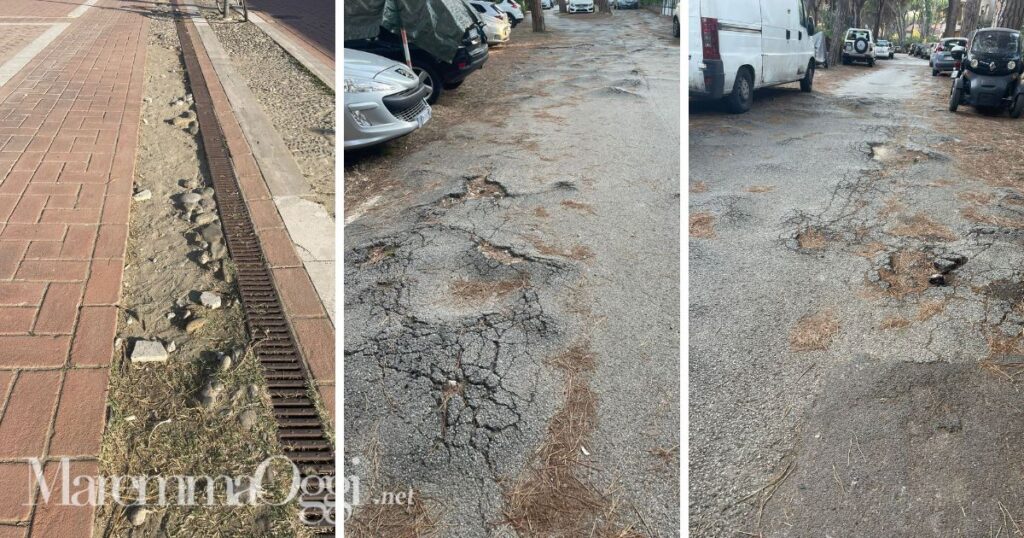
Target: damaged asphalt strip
(856,330)
(511,303)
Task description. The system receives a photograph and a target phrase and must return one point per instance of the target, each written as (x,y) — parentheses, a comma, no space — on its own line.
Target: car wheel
(808,80)
(431,79)
(871,62)
(1018,107)
(954,98)
(742,95)
(675,27)
(935,72)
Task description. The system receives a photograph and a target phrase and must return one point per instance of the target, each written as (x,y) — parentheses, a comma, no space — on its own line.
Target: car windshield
(857,34)
(883,43)
(950,43)
(1003,43)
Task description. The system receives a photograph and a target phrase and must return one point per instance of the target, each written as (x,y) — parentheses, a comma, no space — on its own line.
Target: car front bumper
(372,118)
(581,9)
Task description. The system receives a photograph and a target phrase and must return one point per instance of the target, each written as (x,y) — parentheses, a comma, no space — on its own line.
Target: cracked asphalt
(903,417)
(538,211)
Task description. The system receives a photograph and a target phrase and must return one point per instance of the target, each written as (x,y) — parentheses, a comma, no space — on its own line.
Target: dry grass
(499,254)
(811,238)
(760,188)
(579,206)
(929,309)
(540,212)
(976,197)
(869,250)
(668,456)
(894,322)
(814,331)
(909,273)
(552,497)
(578,252)
(921,226)
(698,186)
(378,254)
(1001,346)
(892,207)
(483,290)
(409,520)
(702,225)
(974,214)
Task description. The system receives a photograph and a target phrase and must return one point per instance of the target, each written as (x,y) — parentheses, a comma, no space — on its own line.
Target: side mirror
(957,53)
(810,26)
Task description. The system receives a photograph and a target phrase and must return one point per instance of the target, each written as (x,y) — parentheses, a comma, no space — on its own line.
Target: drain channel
(300,430)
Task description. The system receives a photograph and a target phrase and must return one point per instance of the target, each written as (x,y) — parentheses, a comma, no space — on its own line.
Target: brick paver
(312,21)
(68,133)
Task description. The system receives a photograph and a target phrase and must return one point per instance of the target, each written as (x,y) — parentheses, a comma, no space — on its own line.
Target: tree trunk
(602,6)
(972,13)
(537,14)
(561,6)
(878,18)
(1009,14)
(842,16)
(952,15)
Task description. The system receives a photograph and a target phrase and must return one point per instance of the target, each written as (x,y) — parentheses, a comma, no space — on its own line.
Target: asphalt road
(536,218)
(833,390)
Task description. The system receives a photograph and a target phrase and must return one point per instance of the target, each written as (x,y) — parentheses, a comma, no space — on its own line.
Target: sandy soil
(158,424)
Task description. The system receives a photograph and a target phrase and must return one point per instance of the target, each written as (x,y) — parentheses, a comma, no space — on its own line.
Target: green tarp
(436,26)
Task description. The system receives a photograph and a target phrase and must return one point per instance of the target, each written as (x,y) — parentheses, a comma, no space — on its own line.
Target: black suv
(436,73)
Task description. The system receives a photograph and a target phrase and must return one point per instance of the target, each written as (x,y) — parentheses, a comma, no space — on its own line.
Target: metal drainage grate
(300,430)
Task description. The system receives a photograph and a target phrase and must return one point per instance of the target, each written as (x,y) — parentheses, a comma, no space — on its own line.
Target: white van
(737,46)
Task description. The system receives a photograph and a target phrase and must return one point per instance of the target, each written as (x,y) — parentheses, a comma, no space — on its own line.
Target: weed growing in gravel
(814,331)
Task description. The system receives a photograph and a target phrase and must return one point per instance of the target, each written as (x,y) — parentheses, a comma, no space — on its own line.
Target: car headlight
(362,86)
(1011,65)
(974,62)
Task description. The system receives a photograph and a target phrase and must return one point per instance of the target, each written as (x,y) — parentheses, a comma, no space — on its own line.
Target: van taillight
(709,37)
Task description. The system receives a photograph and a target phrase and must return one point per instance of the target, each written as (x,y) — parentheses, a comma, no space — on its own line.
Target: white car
(859,46)
(883,49)
(384,99)
(496,25)
(512,9)
(547,4)
(738,46)
(581,6)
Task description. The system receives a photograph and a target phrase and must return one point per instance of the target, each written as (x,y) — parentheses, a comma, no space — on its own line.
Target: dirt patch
(698,186)
(894,322)
(484,290)
(702,226)
(983,198)
(811,239)
(929,309)
(553,497)
(760,188)
(579,206)
(577,252)
(814,331)
(893,206)
(895,155)
(975,214)
(907,272)
(499,254)
(869,250)
(921,226)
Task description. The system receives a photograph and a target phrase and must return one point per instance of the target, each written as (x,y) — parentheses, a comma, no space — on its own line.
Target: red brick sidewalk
(312,21)
(68,132)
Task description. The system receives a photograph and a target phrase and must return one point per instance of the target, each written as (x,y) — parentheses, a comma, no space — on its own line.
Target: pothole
(477,188)
(892,154)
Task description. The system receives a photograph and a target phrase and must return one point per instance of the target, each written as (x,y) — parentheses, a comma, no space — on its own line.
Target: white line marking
(25,55)
(78,11)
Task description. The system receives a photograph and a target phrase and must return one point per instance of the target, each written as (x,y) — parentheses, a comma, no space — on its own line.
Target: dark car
(941,59)
(436,73)
(990,74)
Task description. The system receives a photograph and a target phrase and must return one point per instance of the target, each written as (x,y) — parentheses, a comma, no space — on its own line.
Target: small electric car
(988,76)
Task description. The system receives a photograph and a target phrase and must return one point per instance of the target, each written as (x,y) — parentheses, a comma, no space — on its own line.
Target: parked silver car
(496,24)
(383,99)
